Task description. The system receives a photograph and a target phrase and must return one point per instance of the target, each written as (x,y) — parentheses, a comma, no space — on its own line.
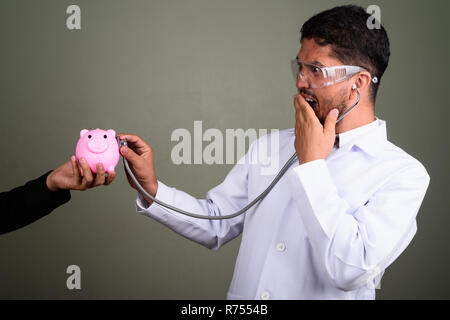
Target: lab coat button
(265,295)
(281,246)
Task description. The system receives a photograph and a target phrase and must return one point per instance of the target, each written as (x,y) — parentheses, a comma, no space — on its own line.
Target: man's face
(326,98)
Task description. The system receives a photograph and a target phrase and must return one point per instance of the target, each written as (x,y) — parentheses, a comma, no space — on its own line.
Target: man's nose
(300,83)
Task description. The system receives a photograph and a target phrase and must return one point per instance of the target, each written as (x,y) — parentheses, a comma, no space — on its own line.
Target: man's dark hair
(353,43)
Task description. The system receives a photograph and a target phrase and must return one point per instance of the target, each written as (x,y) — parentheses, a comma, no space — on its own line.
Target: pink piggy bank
(98,146)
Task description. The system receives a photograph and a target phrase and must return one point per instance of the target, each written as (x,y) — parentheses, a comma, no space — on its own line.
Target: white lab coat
(327,230)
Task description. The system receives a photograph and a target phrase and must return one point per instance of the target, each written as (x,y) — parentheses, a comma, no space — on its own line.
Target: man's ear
(363,80)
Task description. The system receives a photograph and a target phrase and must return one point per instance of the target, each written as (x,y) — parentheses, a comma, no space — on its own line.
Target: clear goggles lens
(318,77)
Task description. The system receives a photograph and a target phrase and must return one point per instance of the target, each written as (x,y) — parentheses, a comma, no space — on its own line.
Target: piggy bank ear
(83,132)
(111,133)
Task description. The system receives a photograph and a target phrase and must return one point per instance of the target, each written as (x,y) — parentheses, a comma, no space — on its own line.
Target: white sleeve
(353,247)
(228,197)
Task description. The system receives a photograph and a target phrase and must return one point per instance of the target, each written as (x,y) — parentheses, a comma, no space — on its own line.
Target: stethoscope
(283,170)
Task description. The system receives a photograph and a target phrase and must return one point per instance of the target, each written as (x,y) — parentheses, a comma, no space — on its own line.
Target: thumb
(134,159)
(330,122)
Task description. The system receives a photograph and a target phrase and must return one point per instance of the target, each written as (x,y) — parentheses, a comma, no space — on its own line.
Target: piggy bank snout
(97,145)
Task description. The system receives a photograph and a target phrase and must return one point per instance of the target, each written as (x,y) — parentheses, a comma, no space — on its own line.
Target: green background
(150,67)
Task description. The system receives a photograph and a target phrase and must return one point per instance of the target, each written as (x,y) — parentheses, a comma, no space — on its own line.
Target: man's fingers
(135,142)
(110,178)
(297,103)
(100,176)
(299,113)
(134,159)
(330,122)
(75,171)
(300,108)
(130,137)
(300,103)
(87,174)
(304,108)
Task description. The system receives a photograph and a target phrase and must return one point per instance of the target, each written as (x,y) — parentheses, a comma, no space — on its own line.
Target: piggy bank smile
(97,145)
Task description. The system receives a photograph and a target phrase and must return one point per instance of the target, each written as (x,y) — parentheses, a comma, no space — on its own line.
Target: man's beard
(334,102)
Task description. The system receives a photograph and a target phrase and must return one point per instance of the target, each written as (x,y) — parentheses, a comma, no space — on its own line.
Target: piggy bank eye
(89,136)
(104,136)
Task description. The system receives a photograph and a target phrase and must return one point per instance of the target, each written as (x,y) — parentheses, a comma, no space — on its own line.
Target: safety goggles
(319,77)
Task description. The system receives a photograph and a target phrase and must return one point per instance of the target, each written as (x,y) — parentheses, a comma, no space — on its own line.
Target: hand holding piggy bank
(98,146)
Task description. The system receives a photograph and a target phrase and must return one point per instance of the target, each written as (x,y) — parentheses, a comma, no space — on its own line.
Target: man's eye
(316,69)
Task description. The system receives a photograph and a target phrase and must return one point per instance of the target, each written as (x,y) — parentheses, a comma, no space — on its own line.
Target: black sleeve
(26,204)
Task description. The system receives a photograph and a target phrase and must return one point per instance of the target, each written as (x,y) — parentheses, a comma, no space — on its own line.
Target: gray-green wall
(149,67)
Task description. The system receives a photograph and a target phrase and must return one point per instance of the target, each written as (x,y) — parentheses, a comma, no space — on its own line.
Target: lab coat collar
(369,138)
